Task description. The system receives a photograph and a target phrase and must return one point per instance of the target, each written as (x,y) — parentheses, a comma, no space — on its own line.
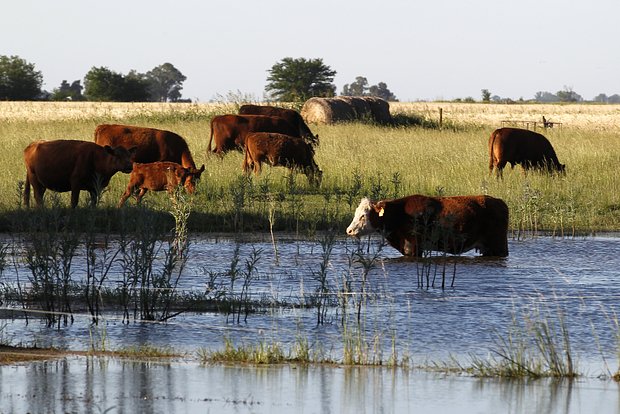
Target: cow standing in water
(228,132)
(280,150)
(292,116)
(68,165)
(521,146)
(159,176)
(418,223)
(152,144)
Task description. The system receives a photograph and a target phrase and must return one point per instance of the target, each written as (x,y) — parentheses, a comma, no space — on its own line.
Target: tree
(545,97)
(381,91)
(19,81)
(568,95)
(165,83)
(486,95)
(614,99)
(357,88)
(293,80)
(66,92)
(102,84)
(601,97)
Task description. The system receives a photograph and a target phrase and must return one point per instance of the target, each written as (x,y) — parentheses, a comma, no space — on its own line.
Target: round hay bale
(346,108)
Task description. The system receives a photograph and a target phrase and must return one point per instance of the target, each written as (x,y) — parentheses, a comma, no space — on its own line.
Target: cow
(521,146)
(292,116)
(417,224)
(280,150)
(160,176)
(229,131)
(152,144)
(70,165)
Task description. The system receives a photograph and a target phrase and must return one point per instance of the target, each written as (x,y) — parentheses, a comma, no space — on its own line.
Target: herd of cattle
(160,160)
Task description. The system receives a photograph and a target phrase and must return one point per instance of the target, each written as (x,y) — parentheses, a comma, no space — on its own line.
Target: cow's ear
(379,207)
(108,149)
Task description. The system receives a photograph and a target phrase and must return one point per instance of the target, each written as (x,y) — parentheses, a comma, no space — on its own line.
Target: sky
(422,50)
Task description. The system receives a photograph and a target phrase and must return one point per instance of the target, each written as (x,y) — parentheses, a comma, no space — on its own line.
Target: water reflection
(96,385)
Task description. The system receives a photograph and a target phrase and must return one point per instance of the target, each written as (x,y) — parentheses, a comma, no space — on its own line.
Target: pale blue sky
(433,49)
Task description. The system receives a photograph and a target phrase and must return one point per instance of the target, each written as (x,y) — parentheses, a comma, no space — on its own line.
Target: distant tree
(381,91)
(165,83)
(486,95)
(357,88)
(19,81)
(102,84)
(545,97)
(293,80)
(601,97)
(614,99)
(568,95)
(66,91)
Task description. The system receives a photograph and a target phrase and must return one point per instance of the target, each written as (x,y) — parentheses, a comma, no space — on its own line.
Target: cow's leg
(140,194)
(125,195)
(38,190)
(499,172)
(257,166)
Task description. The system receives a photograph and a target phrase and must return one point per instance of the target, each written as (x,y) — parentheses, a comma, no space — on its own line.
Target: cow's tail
(247,162)
(210,138)
(492,139)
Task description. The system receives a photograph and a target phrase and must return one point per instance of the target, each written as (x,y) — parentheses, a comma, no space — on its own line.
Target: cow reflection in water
(418,223)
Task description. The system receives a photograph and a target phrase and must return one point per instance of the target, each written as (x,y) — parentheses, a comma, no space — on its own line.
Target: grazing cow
(283,150)
(418,223)
(521,146)
(68,165)
(152,144)
(229,131)
(292,116)
(160,176)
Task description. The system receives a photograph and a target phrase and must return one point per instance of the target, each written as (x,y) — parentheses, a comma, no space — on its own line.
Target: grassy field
(357,160)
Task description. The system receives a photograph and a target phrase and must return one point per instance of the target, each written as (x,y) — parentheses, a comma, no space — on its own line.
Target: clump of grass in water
(260,353)
(538,348)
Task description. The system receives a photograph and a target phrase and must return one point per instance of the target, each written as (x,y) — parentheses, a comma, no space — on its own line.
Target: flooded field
(395,308)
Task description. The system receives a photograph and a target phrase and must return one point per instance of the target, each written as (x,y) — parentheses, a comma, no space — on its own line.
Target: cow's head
(121,159)
(366,218)
(191,177)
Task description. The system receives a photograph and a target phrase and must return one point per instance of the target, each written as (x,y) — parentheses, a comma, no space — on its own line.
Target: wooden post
(440,117)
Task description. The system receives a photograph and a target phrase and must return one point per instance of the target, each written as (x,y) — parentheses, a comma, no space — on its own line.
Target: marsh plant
(323,297)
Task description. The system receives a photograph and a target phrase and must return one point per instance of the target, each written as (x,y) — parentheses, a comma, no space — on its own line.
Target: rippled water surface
(572,280)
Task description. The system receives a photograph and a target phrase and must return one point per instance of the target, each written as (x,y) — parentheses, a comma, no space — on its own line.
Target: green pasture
(357,159)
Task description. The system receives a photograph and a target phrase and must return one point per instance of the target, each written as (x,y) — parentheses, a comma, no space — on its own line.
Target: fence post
(440,117)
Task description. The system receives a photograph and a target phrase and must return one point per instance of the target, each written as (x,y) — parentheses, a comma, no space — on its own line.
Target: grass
(357,159)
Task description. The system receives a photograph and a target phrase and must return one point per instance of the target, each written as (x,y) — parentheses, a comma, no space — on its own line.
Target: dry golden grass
(573,116)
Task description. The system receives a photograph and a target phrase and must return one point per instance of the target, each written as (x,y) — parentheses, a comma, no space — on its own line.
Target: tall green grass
(358,160)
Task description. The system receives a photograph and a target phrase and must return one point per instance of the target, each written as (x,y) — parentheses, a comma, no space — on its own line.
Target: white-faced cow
(68,165)
(417,224)
(160,176)
(521,146)
(280,150)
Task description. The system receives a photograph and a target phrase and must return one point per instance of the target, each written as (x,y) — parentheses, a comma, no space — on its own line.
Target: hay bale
(346,109)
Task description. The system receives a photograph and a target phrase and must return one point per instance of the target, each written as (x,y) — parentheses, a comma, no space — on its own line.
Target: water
(546,278)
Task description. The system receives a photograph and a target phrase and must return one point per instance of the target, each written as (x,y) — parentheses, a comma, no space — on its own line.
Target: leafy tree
(381,91)
(486,95)
(19,81)
(299,79)
(66,91)
(357,88)
(102,84)
(615,98)
(568,95)
(601,97)
(165,83)
(545,97)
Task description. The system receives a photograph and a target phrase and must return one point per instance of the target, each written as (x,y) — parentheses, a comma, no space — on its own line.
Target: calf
(69,165)
(521,146)
(417,223)
(160,176)
(292,116)
(280,150)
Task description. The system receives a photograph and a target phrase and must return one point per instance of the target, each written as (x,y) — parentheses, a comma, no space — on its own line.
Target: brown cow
(160,176)
(68,165)
(521,146)
(280,150)
(229,131)
(418,223)
(292,116)
(152,144)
